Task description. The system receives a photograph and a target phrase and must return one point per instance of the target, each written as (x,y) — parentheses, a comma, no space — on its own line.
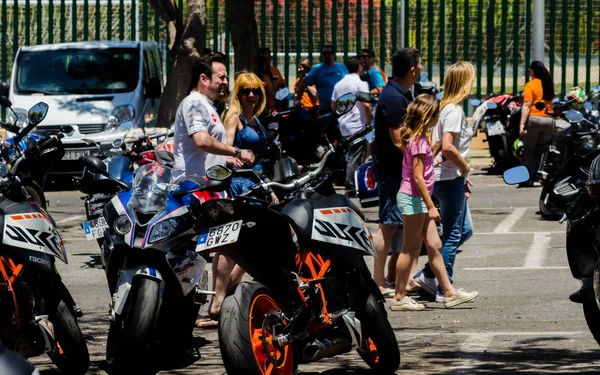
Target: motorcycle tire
(592,318)
(546,213)
(129,335)
(383,354)
(36,193)
(240,333)
(71,355)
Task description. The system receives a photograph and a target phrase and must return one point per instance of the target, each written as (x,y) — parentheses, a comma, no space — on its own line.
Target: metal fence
(493,34)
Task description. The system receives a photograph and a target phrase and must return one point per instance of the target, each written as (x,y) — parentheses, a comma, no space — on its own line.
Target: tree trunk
(244,35)
(186,46)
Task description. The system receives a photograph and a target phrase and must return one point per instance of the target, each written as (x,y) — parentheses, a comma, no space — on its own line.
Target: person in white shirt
(200,143)
(353,121)
(199,133)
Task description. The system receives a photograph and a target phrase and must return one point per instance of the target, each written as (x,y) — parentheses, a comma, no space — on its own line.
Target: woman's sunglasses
(247,91)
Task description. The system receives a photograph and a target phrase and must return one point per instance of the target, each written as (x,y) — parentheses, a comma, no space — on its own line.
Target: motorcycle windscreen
(33,231)
(342,226)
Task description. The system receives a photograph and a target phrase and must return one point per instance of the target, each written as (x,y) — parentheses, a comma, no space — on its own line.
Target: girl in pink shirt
(419,214)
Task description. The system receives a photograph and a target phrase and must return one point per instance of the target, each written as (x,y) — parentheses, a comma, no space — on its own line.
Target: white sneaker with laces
(426,283)
(439,297)
(406,304)
(460,296)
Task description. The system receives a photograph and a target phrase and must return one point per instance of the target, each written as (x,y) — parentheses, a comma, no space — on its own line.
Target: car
(96,92)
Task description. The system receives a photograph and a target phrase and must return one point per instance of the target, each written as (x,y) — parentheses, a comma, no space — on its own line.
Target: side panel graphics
(33,231)
(342,226)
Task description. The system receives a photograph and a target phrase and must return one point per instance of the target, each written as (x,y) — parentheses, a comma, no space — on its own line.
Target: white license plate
(219,236)
(495,128)
(94,229)
(75,155)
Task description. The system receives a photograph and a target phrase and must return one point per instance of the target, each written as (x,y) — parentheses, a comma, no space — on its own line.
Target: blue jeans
(456,221)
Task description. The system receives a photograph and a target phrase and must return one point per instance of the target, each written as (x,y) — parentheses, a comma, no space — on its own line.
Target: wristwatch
(238,153)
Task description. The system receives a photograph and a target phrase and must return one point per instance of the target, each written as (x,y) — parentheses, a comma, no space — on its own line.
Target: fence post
(28,22)
(227,29)
(515,45)
(588,47)
(4,42)
(395,35)
(490,45)
(63,20)
(15,12)
(430,59)
(321,27)
(275,30)
(442,39)
(479,46)
(552,36)
(576,45)
(419,26)
(121,19)
(215,20)
(358,25)
(527,38)
(310,30)
(346,18)
(503,45)
(538,30)
(38,37)
(263,23)
(298,32)
(467,34)
(109,20)
(97,24)
(406,24)
(334,25)
(286,46)
(382,34)
(454,32)
(564,15)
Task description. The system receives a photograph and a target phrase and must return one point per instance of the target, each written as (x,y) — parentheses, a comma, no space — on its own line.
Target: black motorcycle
(38,314)
(581,145)
(312,296)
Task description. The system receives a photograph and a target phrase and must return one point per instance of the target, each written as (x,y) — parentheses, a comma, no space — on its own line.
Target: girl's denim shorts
(410,204)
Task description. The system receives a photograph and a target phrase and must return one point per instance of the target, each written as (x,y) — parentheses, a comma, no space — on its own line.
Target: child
(418,211)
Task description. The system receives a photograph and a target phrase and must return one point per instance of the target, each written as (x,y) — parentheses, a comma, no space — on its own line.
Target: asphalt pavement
(522,321)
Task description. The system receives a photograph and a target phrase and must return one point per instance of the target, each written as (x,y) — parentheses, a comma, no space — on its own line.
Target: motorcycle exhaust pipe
(326,348)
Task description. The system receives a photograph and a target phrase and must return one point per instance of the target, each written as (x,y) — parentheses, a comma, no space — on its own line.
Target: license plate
(219,236)
(75,155)
(495,128)
(94,229)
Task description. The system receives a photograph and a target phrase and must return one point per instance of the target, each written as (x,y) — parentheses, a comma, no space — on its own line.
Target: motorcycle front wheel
(245,337)
(380,348)
(71,354)
(129,334)
(36,193)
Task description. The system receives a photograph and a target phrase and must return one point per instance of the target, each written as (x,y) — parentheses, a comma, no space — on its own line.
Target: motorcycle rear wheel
(382,354)
(592,318)
(241,330)
(129,335)
(71,355)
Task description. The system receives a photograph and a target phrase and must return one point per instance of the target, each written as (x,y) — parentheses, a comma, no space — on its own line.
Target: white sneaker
(426,283)
(460,296)
(439,297)
(406,304)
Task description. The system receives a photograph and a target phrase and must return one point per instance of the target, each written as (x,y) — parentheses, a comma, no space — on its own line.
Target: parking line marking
(537,251)
(499,208)
(507,224)
(549,232)
(513,268)
(496,333)
(72,218)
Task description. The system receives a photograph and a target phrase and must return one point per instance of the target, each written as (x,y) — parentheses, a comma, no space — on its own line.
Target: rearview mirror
(4,102)
(282,94)
(440,95)
(94,165)
(587,106)
(492,105)
(37,113)
(345,103)
(218,173)
(573,116)
(516,175)
(4,88)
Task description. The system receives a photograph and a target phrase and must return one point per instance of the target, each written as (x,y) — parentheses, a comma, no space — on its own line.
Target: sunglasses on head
(246,91)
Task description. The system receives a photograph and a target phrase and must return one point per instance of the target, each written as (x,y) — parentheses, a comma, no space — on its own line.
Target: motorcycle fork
(9,272)
(317,267)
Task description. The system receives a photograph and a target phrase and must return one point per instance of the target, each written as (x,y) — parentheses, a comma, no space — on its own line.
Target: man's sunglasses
(247,91)
(365,56)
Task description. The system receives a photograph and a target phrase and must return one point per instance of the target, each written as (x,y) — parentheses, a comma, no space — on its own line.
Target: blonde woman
(419,214)
(453,134)
(243,130)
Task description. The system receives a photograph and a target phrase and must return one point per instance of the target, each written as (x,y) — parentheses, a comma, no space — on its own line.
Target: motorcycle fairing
(342,226)
(188,268)
(33,231)
(126,276)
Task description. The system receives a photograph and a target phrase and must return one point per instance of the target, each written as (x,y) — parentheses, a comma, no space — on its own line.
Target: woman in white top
(453,134)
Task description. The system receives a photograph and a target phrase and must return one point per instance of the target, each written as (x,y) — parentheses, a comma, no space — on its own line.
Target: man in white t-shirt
(353,121)
(199,133)
(199,145)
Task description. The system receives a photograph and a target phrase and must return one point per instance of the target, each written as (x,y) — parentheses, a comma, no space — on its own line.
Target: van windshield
(77,71)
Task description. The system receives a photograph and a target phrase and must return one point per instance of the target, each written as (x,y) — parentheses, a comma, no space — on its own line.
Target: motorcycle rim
(265,352)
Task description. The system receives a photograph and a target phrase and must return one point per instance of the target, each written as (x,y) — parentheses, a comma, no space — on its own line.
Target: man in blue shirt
(376,76)
(324,76)
(387,158)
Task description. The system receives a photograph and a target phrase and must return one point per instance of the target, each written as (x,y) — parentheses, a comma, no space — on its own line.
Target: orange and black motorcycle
(37,312)
(312,296)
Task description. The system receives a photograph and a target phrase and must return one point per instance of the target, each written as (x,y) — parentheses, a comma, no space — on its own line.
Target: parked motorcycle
(25,148)
(498,117)
(156,279)
(312,296)
(560,190)
(37,314)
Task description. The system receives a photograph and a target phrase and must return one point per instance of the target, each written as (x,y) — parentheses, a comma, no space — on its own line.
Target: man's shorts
(388,207)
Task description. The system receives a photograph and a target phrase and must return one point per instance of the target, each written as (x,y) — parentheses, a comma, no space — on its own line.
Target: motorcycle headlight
(122,116)
(21,119)
(122,225)
(162,230)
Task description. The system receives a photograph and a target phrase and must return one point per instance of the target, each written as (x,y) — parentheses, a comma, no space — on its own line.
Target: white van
(96,92)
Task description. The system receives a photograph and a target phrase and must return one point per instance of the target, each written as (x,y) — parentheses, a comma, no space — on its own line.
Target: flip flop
(388,294)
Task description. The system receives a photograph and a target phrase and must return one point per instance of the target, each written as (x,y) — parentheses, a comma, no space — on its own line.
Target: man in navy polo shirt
(387,158)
